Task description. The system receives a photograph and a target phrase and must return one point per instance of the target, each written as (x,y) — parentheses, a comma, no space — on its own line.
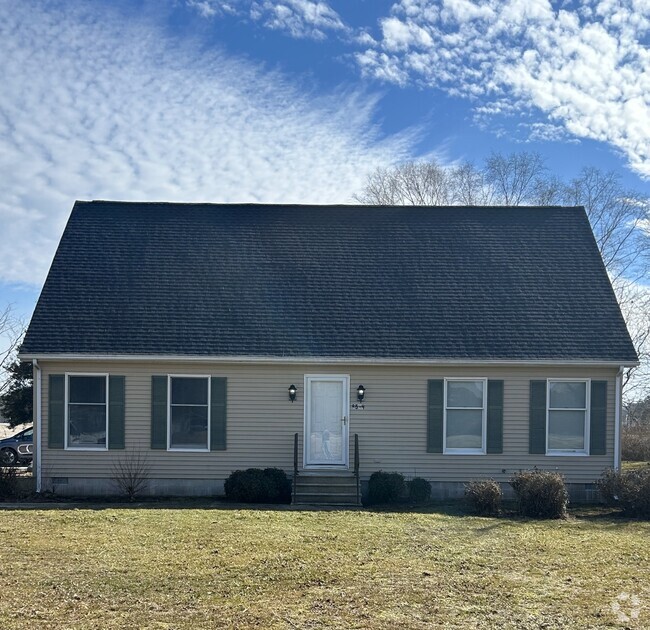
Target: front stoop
(326,489)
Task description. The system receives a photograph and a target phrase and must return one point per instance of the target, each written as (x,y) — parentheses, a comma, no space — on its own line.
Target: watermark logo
(626,607)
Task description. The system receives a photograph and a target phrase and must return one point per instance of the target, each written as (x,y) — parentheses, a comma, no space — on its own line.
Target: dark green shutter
(159,412)
(56,412)
(115,412)
(598,419)
(435,402)
(218,394)
(495,416)
(537,418)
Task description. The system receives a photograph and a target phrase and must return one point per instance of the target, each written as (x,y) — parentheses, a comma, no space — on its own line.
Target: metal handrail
(295,465)
(356,466)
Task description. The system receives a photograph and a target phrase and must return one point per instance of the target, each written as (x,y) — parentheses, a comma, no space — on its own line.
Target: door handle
(344,419)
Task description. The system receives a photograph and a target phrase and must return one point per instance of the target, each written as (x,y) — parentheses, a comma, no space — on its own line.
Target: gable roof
(478,283)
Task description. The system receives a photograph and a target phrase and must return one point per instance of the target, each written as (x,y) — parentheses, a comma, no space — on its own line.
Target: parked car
(17,449)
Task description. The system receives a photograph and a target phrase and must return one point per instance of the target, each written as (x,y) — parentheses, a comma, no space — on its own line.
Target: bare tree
(408,184)
(12,329)
(469,186)
(548,191)
(619,218)
(634,300)
(515,178)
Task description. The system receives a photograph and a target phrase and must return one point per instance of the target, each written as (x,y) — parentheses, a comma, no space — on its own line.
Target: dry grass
(196,568)
(634,465)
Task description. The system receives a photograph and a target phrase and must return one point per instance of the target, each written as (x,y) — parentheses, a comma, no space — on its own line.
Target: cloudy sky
(297,100)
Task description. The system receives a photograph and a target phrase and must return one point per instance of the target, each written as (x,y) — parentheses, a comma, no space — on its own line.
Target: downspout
(618,418)
(39,422)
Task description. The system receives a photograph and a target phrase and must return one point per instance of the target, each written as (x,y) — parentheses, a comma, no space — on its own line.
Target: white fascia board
(318,360)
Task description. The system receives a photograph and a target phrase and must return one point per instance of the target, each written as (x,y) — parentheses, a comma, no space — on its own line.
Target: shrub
(609,486)
(281,483)
(635,442)
(628,490)
(484,496)
(385,487)
(8,483)
(130,473)
(419,490)
(540,493)
(255,485)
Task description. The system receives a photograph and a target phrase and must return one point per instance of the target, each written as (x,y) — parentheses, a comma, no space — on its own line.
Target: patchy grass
(634,465)
(159,567)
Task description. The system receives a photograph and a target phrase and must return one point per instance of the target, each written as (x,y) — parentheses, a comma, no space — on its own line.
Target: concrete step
(333,480)
(328,488)
(325,499)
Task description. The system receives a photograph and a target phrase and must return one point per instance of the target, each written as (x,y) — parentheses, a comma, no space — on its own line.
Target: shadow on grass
(120,503)
(595,515)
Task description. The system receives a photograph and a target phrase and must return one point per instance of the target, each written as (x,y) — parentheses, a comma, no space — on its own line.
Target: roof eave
(29,356)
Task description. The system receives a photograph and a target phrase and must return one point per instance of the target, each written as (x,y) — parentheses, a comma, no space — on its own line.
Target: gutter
(321,360)
(39,422)
(618,417)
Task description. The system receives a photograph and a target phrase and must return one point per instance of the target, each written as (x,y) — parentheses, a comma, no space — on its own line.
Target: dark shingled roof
(329,281)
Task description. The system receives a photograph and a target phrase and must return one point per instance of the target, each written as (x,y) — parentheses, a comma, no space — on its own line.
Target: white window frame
(465,451)
(176,449)
(556,452)
(66,446)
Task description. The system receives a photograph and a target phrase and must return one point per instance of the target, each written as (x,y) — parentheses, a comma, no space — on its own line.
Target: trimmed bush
(255,485)
(635,443)
(484,497)
(540,493)
(385,487)
(419,490)
(8,483)
(281,482)
(629,491)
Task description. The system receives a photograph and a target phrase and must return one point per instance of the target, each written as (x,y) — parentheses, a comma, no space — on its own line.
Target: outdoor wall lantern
(293,390)
(361,392)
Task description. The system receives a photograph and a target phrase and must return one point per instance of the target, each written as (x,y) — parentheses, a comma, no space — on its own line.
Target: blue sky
(298,100)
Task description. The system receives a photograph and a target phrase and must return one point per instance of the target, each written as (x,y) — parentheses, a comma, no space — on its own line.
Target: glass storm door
(326,421)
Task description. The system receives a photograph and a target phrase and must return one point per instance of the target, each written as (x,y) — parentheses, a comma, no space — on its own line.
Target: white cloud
(299,18)
(93,107)
(215,8)
(302,19)
(546,132)
(587,70)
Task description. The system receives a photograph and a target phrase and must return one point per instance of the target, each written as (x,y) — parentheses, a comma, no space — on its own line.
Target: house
(454,342)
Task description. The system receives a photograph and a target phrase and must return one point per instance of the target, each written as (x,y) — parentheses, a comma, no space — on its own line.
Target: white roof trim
(319,360)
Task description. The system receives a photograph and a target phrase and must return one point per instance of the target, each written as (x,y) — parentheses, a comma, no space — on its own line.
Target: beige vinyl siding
(391,428)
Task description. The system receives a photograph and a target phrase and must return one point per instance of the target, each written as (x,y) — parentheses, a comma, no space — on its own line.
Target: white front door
(327,415)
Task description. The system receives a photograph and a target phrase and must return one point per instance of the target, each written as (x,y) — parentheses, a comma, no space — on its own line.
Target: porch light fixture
(361,392)
(293,390)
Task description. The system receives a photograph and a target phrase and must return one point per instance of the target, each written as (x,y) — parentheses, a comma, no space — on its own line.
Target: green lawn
(169,568)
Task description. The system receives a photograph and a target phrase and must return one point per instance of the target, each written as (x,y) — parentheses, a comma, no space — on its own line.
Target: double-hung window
(87,411)
(465,416)
(567,419)
(189,413)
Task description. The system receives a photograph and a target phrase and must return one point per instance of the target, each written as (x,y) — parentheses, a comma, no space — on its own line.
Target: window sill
(463,451)
(188,450)
(567,454)
(86,448)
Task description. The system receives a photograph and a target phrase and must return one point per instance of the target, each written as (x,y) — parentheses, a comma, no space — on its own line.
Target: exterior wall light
(293,390)
(361,392)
